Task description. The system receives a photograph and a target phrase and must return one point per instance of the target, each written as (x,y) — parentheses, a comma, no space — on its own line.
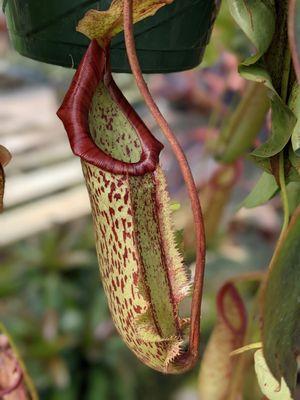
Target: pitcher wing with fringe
(142,272)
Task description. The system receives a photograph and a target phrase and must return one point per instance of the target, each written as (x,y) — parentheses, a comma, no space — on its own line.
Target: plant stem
(193,352)
(284,196)
(284,95)
(276,55)
(286,75)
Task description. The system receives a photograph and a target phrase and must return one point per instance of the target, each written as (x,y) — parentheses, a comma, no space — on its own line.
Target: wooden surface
(44,183)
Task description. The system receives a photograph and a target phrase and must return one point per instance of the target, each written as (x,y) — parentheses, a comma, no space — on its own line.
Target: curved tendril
(191,356)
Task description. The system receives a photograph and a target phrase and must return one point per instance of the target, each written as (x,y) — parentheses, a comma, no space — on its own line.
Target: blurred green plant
(52,305)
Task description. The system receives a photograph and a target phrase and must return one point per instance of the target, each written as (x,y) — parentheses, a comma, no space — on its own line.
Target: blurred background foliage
(51,299)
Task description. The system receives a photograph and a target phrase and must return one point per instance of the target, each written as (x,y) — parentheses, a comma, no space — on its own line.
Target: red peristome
(229,290)
(74,113)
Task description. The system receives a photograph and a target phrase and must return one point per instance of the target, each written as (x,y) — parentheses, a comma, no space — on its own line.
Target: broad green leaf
(281,323)
(263,191)
(283,123)
(283,119)
(141,269)
(257,19)
(103,25)
(217,365)
(269,386)
(263,163)
(294,34)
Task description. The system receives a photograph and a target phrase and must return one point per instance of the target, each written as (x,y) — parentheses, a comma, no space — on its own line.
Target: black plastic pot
(173,40)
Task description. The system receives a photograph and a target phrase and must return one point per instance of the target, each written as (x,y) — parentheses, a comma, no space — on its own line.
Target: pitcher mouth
(74,113)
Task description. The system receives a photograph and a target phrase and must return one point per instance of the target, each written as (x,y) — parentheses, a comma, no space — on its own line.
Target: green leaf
(263,163)
(283,119)
(268,384)
(263,191)
(281,323)
(257,19)
(283,122)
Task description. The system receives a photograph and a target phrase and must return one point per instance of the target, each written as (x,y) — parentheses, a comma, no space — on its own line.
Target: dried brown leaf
(103,25)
